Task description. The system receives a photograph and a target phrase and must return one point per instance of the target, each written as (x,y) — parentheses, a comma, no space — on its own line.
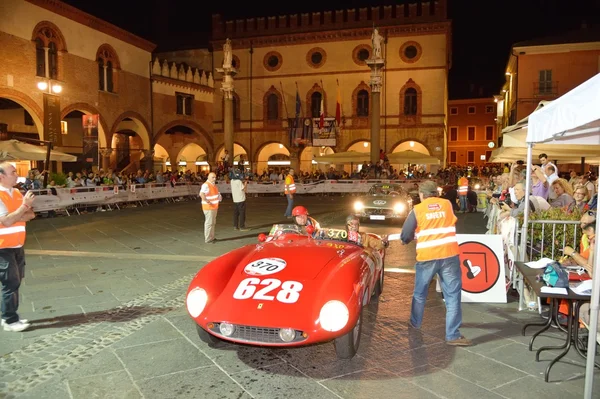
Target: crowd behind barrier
(55,199)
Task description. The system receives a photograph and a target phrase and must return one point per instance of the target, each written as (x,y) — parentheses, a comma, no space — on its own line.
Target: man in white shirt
(238,193)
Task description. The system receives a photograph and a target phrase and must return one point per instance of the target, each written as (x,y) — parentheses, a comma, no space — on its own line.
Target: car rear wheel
(207,337)
(347,345)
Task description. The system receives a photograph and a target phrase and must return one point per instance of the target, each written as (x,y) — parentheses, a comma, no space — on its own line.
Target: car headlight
(334,316)
(358,206)
(399,207)
(196,301)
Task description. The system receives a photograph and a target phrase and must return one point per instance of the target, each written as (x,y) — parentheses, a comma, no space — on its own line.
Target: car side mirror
(310,230)
(262,237)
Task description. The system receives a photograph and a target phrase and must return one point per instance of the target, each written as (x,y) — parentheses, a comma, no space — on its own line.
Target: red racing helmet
(299,210)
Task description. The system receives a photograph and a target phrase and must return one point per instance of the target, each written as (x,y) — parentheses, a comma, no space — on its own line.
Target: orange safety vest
(290,186)
(436,231)
(212,196)
(463,186)
(12,236)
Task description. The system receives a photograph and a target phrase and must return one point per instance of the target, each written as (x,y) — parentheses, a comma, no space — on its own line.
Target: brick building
(103,70)
(471,129)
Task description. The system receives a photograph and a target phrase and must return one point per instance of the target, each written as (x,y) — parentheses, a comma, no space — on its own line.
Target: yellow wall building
(314,53)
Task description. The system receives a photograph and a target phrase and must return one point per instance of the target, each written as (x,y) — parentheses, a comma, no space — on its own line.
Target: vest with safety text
(290,186)
(436,231)
(14,235)
(212,196)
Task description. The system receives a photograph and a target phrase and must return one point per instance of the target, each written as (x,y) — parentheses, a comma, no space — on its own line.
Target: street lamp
(52,126)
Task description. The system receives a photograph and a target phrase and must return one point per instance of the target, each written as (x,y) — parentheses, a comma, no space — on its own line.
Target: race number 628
(288,293)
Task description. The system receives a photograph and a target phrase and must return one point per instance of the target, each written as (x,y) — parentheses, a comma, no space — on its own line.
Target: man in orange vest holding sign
(290,191)
(15,211)
(209,192)
(432,222)
(463,190)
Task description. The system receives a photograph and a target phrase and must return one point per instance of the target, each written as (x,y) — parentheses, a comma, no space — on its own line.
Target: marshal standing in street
(15,211)
(209,192)
(433,222)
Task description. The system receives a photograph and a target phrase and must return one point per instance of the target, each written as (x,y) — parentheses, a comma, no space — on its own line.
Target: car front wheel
(347,345)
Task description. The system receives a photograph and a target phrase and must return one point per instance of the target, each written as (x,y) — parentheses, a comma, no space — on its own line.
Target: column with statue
(376,64)
(228,72)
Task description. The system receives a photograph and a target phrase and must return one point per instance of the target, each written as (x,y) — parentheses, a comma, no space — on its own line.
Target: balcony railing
(543,89)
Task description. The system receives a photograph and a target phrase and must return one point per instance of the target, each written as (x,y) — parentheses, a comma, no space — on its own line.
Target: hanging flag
(338,107)
(322,115)
(298,104)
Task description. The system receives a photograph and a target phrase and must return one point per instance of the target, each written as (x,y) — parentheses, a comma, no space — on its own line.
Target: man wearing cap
(433,222)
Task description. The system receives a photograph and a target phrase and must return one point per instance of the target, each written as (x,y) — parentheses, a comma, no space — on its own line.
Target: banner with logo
(325,136)
(52,130)
(482,268)
(90,156)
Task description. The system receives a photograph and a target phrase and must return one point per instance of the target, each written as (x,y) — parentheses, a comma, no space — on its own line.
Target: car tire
(379,285)
(347,345)
(208,338)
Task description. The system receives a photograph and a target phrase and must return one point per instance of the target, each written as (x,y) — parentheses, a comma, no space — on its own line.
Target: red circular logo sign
(479,266)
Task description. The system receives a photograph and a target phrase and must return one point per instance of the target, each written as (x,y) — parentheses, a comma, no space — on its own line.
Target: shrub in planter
(60,179)
(544,234)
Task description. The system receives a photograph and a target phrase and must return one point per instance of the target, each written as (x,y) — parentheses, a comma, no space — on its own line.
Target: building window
(453,156)
(40,58)
(410,101)
(362,103)
(470,156)
(410,52)
(272,107)
(453,111)
(315,104)
(107,64)
(545,82)
(489,109)
(184,104)
(316,57)
(48,43)
(272,61)
(453,133)
(471,133)
(361,54)
(471,110)
(488,155)
(489,133)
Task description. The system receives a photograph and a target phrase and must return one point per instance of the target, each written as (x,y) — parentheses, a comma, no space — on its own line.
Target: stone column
(105,152)
(148,160)
(376,66)
(228,72)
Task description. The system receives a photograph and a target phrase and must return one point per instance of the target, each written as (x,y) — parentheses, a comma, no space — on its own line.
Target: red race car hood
(301,260)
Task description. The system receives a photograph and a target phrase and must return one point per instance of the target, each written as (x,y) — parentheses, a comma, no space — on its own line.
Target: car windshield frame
(287,228)
(376,190)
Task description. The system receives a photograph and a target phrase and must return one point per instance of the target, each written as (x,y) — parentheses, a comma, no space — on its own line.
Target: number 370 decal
(289,291)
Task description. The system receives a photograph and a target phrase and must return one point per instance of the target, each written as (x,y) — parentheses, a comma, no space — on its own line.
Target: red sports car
(288,290)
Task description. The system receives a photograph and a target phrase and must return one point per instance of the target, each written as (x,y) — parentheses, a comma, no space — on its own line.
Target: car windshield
(385,189)
(329,234)
(279,229)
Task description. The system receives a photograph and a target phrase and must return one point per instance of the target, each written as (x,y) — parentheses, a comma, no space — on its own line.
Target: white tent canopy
(344,157)
(574,118)
(14,150)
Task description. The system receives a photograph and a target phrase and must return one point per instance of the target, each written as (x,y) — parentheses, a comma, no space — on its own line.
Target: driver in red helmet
(301,218)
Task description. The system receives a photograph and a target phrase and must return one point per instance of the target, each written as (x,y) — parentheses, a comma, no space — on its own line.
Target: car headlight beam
(196,301)
(399,207)
(334,316)
(358,206)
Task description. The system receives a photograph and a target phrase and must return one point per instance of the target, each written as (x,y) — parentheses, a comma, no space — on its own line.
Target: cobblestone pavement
(105,293)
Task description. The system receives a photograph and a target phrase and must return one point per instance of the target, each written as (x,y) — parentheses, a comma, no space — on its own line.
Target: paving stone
(450,386)
(375,383)
(153,333)
(537,387)
(206,382)
(281,380)
(113,385)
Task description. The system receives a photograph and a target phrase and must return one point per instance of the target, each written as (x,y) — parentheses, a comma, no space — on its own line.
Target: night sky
(483,30)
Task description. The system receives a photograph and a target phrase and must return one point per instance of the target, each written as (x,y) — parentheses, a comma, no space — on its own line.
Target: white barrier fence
(64,198)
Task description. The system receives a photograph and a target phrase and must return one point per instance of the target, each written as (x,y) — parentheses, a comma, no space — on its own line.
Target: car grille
(265,335)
